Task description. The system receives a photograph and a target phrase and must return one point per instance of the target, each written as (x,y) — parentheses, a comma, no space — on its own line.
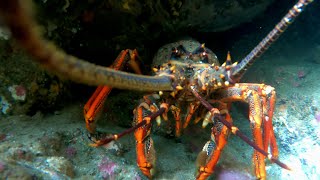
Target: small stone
(18,92)
(61,165)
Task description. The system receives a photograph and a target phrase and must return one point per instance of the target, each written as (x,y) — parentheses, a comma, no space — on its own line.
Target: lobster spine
(273,35)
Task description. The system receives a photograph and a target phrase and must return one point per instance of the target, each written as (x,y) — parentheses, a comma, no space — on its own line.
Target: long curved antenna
(17,15)
(241,68)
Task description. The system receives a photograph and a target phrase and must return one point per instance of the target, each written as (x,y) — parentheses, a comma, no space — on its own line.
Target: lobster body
(192,73)
(191,63)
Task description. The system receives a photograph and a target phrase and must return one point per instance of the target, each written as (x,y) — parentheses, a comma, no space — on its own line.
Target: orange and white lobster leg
(253,94)
(96,101)
(144,144)
(261,99)
(193,106)
(249,93)
(176,114)
(208,158)
(255,117)
(268,95)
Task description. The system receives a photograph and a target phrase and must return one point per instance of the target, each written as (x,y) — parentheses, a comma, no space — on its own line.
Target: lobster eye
(204,57)
(175,50)
(175,54)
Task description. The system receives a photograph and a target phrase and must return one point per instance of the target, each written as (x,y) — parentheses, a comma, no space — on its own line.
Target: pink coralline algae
(70,152)
(18,92)
(301,74)
(2,166)
(107,168)
(317,117)
(233,175)
(3,137)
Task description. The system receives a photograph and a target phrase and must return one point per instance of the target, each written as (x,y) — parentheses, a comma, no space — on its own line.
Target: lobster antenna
(16,14)
(294,12)
(237,132)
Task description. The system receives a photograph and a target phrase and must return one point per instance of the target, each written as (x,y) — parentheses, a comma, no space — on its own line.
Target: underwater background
(42,128)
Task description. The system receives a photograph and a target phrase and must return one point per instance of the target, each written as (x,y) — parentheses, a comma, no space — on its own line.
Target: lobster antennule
(246,62)
(130,130)
(17,15)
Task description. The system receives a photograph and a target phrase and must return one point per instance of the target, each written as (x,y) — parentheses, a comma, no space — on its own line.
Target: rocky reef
(51,141)
(84,29)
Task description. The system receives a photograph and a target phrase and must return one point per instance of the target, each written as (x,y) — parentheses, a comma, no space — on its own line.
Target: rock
(202,15)
(16,172)
(25,87)
(61,165)
(84,27)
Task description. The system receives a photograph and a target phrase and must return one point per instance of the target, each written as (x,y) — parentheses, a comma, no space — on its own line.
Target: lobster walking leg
(255,117)
(96,101)
(144,144)
(176,114)
(267,97)
(191,109)
(261,99)
(209,156)
(268,103)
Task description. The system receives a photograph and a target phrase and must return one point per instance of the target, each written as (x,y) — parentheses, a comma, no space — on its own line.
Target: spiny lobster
(188,78)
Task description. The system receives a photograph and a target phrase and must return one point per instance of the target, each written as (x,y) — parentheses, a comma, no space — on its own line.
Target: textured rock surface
(25,87)
(202,15)
(93,29)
